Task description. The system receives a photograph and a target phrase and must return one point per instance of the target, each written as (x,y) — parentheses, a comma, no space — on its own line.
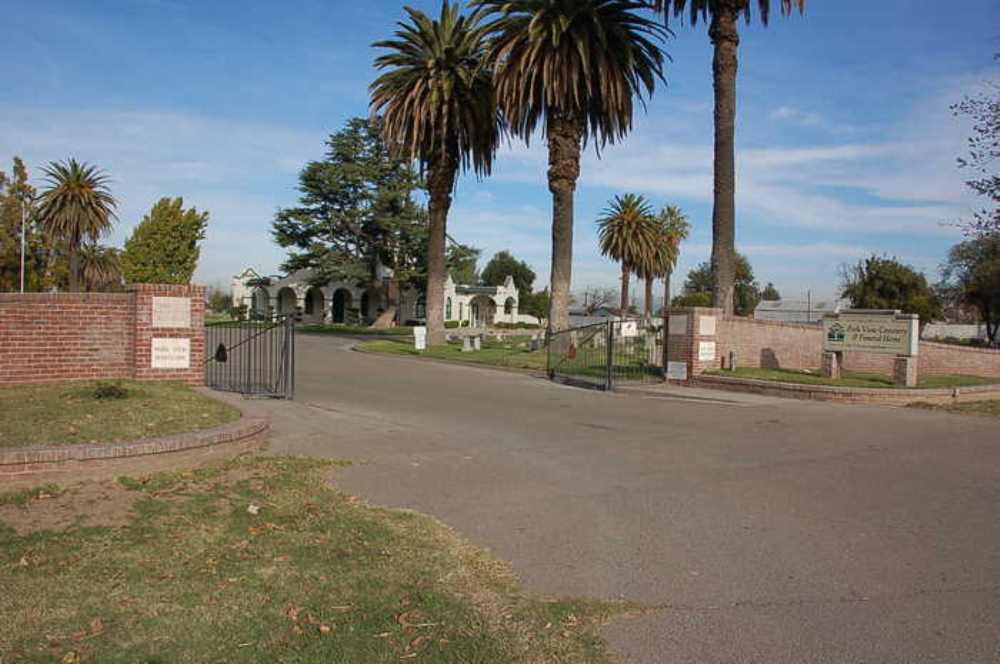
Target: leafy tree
(628,233)
(535,304)
(504,264)
(219,301)
(747,293)
(596,297)
(461,261)
(579,67)
(436,96)
(164,247)
(972,273)
(17,199)
(722,17)
(76,207)
(672,228)
(984,153)
(770,293)
(886,283)
(700,299)
(356,211)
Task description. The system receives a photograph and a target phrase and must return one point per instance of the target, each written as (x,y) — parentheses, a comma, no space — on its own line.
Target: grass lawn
(507,353)
(354,331)
(69,413)
(261,560)
(989,408)
(849,378)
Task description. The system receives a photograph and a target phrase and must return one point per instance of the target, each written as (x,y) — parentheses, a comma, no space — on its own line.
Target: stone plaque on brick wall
(172,312)
(171,353)
(677,370)
(706,326)
(678,325)
(706,351)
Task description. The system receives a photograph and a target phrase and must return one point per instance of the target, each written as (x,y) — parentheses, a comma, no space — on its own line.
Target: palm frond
(627,231)
(77,204)
(706,9)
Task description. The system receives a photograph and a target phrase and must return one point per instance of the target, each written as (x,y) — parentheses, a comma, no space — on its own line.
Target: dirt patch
(85,505)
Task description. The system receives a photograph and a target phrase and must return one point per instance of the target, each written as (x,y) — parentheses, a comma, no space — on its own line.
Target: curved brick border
(891,397)
(250,431)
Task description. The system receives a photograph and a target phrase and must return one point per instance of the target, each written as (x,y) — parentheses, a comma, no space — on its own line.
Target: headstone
(477,342)
(466,344)
(420,337)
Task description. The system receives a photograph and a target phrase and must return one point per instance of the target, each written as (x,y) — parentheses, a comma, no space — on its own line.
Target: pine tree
(164,247)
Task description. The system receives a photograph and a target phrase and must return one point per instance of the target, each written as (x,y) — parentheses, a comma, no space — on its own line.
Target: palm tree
(725,38)
(674,227)
(77,206)
(575,67)
(100,268)
(438,106)
(627,232)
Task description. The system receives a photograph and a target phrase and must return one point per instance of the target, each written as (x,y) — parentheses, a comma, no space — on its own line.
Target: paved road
(766,531)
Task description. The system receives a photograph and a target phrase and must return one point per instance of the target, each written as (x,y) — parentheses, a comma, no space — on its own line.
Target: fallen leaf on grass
(325,629)
(69,658)
(96,626)
(253,509)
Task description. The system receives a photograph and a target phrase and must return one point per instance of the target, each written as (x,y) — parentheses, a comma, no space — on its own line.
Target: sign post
(885,332)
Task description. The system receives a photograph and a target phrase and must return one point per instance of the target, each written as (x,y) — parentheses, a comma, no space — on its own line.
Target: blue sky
(846,143)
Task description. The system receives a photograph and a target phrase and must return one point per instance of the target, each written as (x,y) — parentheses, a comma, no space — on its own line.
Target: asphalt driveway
(756,531)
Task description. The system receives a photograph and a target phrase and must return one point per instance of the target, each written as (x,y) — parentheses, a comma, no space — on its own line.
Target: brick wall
(50,337)
(772,344)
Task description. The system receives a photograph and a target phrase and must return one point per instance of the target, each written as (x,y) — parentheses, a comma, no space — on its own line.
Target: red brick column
(157,331)
(692,330)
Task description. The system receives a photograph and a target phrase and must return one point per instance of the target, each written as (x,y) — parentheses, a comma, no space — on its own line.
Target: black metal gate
(254,358)
(605,354)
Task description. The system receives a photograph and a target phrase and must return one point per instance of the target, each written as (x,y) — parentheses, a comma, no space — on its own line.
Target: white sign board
(420,338)
(871,333)
(678,325)
(171,353)
(706,351)
(706,326)
(172,312)
(677,371)
(629,328)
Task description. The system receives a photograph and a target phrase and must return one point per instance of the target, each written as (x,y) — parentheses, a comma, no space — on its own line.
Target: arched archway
(315,305)
(483,311)
(509,308)
(260,307)
(287,301)
(341,303)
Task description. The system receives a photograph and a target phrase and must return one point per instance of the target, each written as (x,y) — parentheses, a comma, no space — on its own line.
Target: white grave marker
(420,338)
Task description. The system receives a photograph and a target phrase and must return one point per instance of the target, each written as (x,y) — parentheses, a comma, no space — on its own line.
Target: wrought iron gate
(254,358)
(604,354)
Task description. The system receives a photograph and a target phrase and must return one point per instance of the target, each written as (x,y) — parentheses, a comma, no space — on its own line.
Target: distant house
(580,316)
(798,311)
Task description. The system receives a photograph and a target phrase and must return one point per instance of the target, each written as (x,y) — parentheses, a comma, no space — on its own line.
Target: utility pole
(24,221)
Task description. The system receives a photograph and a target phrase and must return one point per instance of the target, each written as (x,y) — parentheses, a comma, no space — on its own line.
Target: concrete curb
(252,425)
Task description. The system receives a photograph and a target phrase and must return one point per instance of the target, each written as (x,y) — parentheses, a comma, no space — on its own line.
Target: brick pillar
(692,341)
(904,371)
(169,333)
(832,363)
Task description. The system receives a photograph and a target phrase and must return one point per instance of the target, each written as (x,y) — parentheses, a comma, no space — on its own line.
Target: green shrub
(105,390)
(450,324)
(465,323)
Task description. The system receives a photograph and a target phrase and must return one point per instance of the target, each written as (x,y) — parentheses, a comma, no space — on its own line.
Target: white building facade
(349,303)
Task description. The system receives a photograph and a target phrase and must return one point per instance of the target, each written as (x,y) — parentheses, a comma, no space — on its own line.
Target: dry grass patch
(260,559)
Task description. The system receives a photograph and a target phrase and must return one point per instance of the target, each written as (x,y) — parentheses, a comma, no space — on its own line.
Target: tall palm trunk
(564,137)
(665,312)
(441,183)
(726,39)
(626,273)
(74,268)
(649,298)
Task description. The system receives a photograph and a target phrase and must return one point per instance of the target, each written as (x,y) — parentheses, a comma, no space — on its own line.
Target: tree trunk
(564,137)
(649,298)
(441,183)
(666,317)
(726,39)
(623,309)
(74,269)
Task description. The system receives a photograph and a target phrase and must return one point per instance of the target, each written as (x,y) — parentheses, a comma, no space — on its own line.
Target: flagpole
(24,220)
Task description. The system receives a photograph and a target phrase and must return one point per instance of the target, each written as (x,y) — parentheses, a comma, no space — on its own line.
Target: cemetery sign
(872,331)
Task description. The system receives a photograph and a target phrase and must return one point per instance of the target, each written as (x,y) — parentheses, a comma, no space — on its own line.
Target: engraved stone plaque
(706,326)
(706,351)
(677,370)
(171,353)
(678,325)
(172,312)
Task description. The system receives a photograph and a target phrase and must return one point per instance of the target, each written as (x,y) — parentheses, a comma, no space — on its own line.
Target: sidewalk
(700,394)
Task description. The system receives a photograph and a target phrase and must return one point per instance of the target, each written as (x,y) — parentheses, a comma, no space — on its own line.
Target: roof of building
(476,290)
